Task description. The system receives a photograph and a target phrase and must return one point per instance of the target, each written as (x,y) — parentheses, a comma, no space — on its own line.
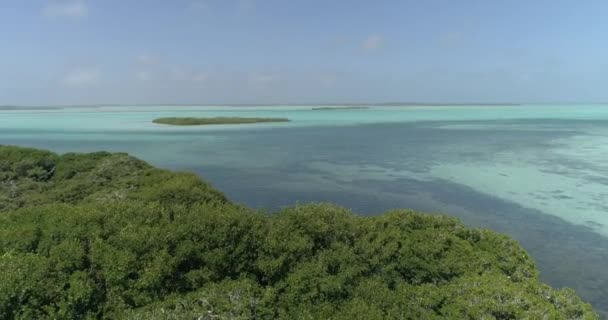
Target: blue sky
(297,51)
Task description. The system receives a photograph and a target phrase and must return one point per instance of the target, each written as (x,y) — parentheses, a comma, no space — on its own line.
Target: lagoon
(536,172)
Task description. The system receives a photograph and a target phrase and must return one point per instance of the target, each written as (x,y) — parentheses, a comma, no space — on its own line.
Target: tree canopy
(107,236)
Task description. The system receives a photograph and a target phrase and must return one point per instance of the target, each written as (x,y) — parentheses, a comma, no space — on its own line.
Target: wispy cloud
(453,39)
(373,42)
(246,6)
(240,7)
(200,77)
(198,5)
(143,76)
(264,78)
(149,67)
(69,9)
(147,59)
(81,78)
(179,74)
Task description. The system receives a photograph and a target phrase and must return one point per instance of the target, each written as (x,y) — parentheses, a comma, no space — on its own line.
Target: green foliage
(105,236)
(31,177)
(218,120)
(21,163)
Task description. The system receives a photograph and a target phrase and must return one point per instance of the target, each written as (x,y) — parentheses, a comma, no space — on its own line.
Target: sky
(70,52)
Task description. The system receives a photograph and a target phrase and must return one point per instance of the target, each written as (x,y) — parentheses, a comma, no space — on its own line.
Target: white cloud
(199,5)
(453,39)
(373,42)
(70,9)
(246,6)
(179,74)
(147,59)
(149,67)
(82,78)
(243,7)
(143,76)
(200,77)
(264,78)
(525,77)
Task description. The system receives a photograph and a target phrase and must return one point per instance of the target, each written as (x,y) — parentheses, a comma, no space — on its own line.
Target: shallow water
(538,173)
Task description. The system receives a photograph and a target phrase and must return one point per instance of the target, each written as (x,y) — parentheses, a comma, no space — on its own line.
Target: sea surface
(536,172)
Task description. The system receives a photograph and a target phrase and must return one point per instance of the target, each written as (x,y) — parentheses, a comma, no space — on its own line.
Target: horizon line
(299,104)
(370,104)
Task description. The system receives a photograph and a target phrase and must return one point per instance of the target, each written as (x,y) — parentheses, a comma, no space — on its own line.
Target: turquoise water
(538,173)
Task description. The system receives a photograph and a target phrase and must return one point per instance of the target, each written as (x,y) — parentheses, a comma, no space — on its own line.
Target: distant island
(11,108)
(431,104)
(342,108)
(217,120)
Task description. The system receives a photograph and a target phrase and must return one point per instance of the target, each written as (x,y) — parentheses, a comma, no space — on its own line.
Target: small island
(189,121)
